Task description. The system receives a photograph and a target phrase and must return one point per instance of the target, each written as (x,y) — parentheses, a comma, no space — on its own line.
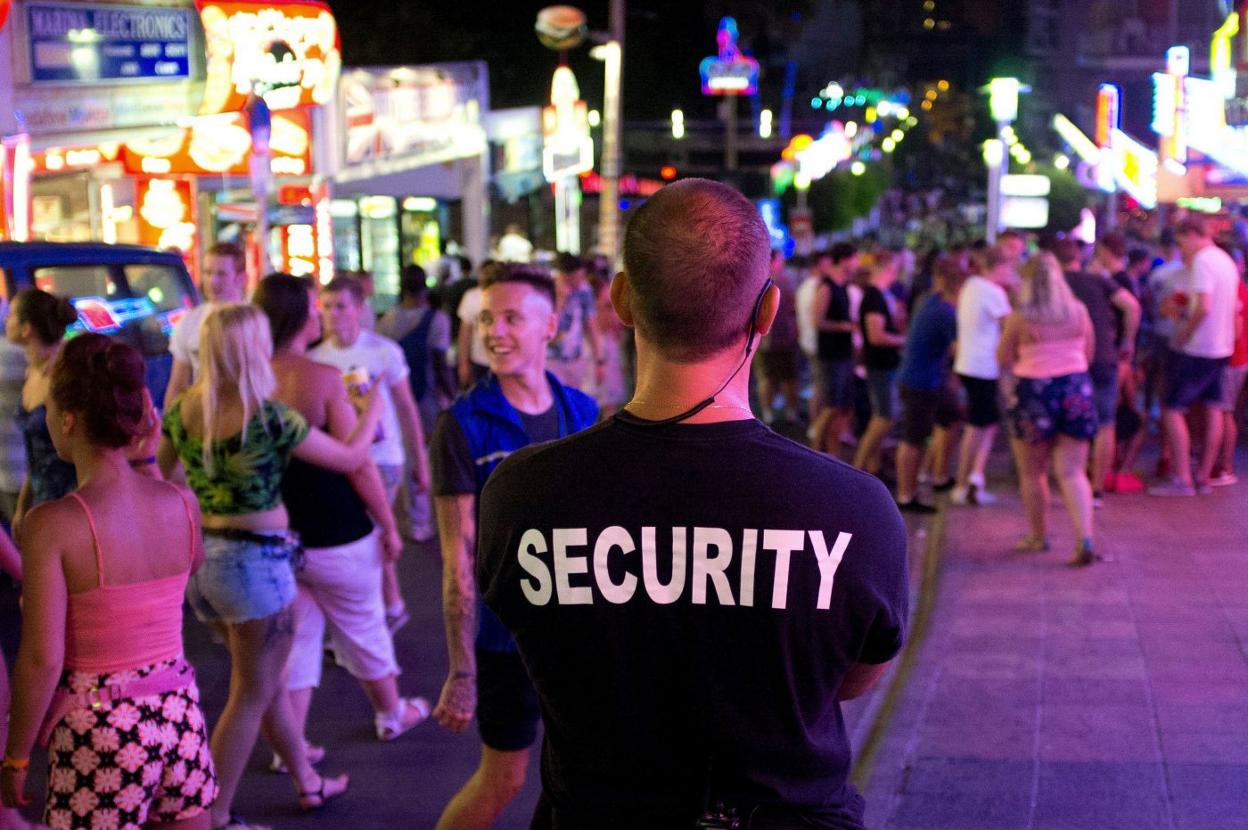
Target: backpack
(415,346)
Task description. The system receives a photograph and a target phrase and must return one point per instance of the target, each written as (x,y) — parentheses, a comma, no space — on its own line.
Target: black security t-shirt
(836,345)
(1095,292)
(451,465)
(874,301)
(687,596)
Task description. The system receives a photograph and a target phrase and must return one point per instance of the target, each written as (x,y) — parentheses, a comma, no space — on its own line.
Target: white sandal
(393,724)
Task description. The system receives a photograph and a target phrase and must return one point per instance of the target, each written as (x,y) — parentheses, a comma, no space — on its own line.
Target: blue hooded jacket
(493,431)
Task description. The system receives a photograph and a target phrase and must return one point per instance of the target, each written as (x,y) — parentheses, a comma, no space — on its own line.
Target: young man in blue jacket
(517,404)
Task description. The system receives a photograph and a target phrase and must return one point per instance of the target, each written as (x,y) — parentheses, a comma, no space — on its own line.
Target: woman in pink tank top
(1047,344)
(105,570)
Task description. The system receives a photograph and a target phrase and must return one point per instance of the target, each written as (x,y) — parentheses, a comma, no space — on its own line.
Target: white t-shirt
(184,340)
(982,305)
(469,311)
(1213,272)
(514,248)
(383,360)
(807,334)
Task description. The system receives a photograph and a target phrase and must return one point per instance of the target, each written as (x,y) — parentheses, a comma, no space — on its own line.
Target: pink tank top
(111,628)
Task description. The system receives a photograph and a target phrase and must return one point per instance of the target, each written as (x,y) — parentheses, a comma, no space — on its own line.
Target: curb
(880,719)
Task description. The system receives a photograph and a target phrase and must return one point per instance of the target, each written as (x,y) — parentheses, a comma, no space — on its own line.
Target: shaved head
(696,254)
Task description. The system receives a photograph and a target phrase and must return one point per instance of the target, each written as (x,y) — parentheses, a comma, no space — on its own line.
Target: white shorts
(341,586)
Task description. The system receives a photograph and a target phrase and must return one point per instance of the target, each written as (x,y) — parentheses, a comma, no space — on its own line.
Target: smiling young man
(693,594)
(519,403)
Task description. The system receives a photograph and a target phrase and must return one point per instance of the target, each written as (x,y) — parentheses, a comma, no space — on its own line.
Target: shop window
(76,280)
(159,284)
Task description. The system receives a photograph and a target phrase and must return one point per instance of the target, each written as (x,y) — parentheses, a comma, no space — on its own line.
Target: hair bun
(66,314)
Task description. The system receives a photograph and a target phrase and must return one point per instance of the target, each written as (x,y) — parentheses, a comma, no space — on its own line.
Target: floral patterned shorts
(140,760)
(1045,408)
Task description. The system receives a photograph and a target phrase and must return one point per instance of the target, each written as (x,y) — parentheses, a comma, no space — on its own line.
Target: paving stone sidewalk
(1114,696)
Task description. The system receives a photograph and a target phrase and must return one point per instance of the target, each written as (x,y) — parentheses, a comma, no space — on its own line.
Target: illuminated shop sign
(729,72)
(71,43)
(427,114)
(165,208)
(221,144)
(288,53)
(568,150)
(1135,168)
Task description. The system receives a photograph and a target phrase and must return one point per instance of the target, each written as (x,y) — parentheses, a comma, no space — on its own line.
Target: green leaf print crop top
(247,474)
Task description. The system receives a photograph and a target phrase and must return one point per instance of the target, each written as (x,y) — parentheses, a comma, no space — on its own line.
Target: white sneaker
(411,713)
(1223,480)
(960,495)
(981,497)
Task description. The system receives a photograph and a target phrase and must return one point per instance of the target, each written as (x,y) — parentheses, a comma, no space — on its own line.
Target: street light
(1003,104)
(678,124)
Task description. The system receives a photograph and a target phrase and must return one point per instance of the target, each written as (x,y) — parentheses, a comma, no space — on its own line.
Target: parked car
(126,291)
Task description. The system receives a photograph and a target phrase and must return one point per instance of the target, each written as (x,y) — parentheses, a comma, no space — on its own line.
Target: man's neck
(527,392)
(342,342)
(665,388)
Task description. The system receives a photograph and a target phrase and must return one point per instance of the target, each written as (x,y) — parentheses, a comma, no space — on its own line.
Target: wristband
(18,764)
(143,462)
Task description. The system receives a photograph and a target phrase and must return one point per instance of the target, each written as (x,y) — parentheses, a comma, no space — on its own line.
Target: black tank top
(836,345)
(324,508)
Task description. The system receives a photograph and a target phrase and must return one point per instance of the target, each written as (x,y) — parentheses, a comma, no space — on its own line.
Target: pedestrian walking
(1048,342)
(519,403)
(232,443)
(100,677)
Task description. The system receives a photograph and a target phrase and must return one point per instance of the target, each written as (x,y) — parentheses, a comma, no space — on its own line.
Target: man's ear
(767,310)
(622,297)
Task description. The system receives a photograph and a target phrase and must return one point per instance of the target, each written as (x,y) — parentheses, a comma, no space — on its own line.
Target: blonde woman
(233,443)
(1048,342)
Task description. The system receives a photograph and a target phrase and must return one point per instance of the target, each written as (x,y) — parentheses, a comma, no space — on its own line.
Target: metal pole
(730,133)
(609,198)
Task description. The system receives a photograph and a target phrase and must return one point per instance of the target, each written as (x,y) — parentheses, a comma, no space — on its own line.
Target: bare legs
(870,446)
(258,652)
(908,457)
(973,457)
(1033,478)
(1181,444)
(1103,450)
(491,788)
(9,819)
(1069,458)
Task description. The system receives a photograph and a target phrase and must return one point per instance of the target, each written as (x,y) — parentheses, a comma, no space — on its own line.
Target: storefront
(172,126)
(412,168)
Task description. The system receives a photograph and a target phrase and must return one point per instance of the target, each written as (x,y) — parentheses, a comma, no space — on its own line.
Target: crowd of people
(303,438)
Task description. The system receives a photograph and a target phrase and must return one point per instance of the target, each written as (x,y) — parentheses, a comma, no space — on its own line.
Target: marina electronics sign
(76,43)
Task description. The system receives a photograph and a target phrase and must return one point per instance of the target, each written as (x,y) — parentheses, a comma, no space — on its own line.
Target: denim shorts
(1104,391)
(242,579)
(882,389)
(835,381)
(1190,379)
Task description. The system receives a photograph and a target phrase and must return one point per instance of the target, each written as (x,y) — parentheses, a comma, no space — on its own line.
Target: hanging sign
(288,53)
(569,149)
(78,43)
(729,72)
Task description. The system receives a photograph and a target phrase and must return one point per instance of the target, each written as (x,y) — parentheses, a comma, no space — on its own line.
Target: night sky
(665,41)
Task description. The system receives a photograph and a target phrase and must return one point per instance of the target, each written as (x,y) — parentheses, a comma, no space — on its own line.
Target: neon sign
(729,72)
(1169,107)
(1135,169)
(1079,142)
(568,150)
(288,53)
